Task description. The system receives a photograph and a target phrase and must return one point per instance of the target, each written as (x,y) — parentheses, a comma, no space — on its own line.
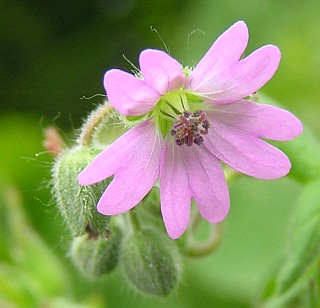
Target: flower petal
(246,153)
(264,121)
(224,53)
(243,78)
(175,194)
(128,94)
(207,182)
(116,155)
(160,71)
(134,179)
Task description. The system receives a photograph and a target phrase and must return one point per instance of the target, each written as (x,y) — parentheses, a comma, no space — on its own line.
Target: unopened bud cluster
(135,242)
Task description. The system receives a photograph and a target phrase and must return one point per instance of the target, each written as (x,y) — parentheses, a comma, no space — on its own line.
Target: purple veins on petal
(243,78)
(186,173)
(207,183)
(260,120)
(246,153)
(175,194)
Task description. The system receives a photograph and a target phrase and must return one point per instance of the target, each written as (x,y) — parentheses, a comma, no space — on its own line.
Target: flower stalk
(134,220)
(196,249)
(94,120)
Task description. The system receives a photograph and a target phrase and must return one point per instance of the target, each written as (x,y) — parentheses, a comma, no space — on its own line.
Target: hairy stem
(92,122)
(134,221)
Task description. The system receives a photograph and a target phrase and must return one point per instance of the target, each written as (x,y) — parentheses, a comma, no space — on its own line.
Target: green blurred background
(54,52)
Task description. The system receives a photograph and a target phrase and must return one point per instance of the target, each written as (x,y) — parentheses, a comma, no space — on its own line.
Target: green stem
(195,220)
(312,292)
(93,121)
(134,221)
(200,249)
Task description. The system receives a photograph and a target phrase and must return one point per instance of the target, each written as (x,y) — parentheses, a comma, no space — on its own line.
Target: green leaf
(305,242)
(193,98)
(301,264)
(18,288)
(29,255)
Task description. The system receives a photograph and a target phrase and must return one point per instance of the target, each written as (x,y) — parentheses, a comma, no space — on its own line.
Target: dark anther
(189,127)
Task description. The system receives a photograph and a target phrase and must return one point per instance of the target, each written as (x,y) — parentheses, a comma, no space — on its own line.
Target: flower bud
(96,256)
(76,203)
(151,262)
(148,211)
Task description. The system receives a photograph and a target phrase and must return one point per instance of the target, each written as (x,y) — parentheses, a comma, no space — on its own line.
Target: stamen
(189,127)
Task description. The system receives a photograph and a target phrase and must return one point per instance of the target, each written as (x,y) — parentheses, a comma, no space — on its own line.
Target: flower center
(181,114)
(189,127)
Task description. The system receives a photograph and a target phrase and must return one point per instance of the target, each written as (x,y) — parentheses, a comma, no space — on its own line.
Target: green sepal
(130,121)
(193,98)
(76,203)
(135,119)
(164,125)
(150,262)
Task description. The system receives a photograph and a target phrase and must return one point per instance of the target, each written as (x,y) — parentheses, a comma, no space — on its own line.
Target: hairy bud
(96,256)
(77,204)
(151,262)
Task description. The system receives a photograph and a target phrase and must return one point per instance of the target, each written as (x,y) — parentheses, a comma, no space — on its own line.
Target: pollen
(190,127)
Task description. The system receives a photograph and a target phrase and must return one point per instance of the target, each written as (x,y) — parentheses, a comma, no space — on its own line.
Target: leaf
(305,248)
(28,252)
(301,263)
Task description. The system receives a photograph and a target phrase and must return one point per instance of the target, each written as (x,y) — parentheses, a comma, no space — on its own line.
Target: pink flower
(190,121)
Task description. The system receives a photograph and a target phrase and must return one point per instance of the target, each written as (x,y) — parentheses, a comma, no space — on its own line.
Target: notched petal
(128,94)
(243,78)
(261,120)
(224,53)
(175,194)
(207,182)
(246,153)
(160,71)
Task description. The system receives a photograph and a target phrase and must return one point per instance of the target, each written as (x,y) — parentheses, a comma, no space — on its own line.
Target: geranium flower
(190,121)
